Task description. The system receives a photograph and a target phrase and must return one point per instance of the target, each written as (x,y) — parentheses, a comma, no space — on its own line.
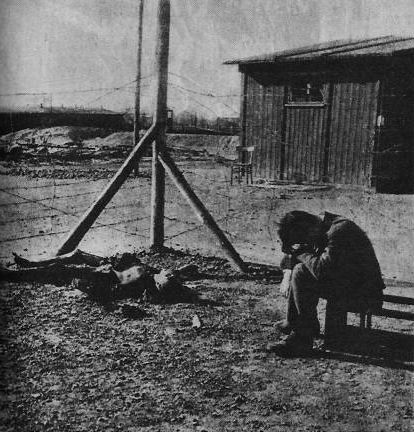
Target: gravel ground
(71,364)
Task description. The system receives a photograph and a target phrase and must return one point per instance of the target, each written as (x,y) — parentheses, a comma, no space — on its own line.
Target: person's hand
(298,248)
(287,262)
(284,285)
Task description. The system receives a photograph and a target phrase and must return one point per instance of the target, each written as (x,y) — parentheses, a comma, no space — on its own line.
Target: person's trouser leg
(302,301)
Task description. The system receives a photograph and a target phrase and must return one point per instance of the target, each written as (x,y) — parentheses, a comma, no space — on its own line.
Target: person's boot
(294,345)
(286,328)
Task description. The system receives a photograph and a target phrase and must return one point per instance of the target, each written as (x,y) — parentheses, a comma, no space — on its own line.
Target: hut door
(305,131)
(352,131)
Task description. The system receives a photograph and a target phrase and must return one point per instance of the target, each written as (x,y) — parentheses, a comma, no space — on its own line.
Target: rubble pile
(87,143)
(64,142)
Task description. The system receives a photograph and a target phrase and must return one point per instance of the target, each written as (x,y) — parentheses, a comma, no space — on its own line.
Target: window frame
(308,84)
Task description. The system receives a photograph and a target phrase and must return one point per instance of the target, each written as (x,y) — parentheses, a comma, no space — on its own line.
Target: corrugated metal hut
(337,112)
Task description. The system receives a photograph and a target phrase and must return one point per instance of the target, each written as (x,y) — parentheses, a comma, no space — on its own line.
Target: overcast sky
(61,46)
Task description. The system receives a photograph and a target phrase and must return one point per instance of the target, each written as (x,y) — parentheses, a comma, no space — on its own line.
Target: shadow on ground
(375,347)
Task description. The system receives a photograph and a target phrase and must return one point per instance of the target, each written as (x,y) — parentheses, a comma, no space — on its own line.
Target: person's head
(300,227)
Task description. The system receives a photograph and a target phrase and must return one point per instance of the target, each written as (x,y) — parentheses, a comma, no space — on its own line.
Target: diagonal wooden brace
(199,209)
(90,216)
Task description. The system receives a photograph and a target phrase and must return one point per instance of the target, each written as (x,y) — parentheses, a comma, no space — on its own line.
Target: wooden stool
(337,313)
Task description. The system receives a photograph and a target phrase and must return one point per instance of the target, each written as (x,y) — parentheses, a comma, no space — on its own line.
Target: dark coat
(347,266)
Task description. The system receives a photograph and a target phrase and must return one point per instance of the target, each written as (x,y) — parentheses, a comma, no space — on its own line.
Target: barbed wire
(184,89)
(45,201)
(123,87)
(93,89)
(48,185)
(115,89)
(211,95)
(78,213)
(72,214)
(196,101)
(41,201)
(96,226)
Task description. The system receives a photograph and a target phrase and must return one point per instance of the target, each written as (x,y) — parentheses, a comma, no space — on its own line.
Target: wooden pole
(158,174)
(90,216)
(199,209)
(137,113)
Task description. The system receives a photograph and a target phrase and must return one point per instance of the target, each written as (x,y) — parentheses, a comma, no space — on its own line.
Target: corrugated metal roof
(380,46)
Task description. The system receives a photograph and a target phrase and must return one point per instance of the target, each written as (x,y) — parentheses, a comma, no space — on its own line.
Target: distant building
(11,121)
(229,125)
(338,112)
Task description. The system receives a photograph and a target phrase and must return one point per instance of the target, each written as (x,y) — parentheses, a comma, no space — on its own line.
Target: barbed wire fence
(36,214)
(125,216)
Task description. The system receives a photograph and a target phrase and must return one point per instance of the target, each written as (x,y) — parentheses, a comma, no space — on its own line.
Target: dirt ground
(71,364)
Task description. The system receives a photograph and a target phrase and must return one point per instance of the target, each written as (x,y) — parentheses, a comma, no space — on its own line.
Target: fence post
(137,122)
(90,216)
(201,212)
(158,173)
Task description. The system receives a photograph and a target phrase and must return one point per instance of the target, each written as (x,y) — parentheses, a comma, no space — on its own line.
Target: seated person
(329,257)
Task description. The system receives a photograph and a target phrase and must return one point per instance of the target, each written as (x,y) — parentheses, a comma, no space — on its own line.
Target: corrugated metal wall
(352,134)
(305,143)
(263,126)
(348,135)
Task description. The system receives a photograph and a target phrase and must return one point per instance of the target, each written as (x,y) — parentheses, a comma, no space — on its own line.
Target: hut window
(306,93)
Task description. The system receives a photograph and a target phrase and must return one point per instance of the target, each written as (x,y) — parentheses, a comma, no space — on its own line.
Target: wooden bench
(336,316)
